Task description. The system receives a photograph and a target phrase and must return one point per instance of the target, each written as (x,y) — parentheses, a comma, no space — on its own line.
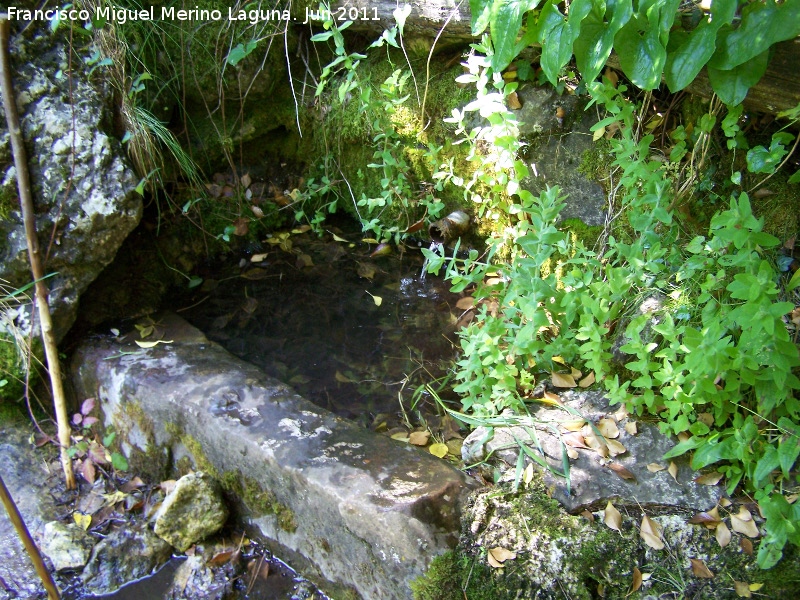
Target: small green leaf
(240,51)
(109,439)
(119,462)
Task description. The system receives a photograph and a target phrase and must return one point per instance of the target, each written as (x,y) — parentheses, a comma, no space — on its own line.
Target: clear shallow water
(350,332)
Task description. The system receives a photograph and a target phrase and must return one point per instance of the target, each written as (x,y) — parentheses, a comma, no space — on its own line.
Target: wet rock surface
(85,200)
(364,511)
(126,554)
(592,479)
(192,511)
(66,545)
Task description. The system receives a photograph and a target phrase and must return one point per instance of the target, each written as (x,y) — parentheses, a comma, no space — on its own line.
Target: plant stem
(26,204)
(25,535)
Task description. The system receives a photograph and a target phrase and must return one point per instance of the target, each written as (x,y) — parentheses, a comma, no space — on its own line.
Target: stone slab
(592,482)
(366,511)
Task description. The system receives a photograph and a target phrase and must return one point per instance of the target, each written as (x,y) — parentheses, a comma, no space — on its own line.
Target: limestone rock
(191,512)
(83,188)
(592,480)
(67,545)
(125,554)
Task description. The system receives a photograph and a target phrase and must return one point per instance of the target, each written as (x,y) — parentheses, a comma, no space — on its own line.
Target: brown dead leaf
(672,469)
(366,270)
(621,414)
(87,470)
(587,515)
(723,535)
(650,532)
(241,226)
(608,428)
(419,438)
(655,467)
(709,478)
(513,101)
(594,442)
(700,569)
(621,471)
(576,374)
(637,580)
(742,589)
(572,453)
(612,517)
(133,484)
(574,439)
(631,428)
(746,546)
(465,303)
(725,503)
(710,519)
(572,425)
(223,558)
(563,380)
(743,523)
(706,418)
(553,399)
(588,380)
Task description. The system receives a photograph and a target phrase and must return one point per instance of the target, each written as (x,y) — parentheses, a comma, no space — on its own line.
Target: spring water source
(353,333)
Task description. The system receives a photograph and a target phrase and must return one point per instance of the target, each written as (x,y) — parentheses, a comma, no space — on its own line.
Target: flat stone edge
(389,513)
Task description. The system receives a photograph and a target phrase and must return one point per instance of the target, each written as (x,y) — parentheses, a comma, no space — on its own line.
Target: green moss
(596,160)
(581,232)
(151,462)
(456,575)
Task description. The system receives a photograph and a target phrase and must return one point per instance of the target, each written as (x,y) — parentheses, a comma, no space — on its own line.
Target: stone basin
(362,511)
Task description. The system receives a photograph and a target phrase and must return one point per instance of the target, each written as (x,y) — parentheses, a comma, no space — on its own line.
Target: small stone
(66,545)
(191,512)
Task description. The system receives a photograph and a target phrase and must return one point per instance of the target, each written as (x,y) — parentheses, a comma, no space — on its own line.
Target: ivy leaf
(593,46)
(732,85)
(697,47)
(763,24)
(641,54)
(506,21)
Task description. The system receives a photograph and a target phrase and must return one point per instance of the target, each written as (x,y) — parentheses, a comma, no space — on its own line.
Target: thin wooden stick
(27,540)
(26,203)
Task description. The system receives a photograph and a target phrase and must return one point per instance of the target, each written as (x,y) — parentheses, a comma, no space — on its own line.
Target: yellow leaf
(336,238)
(650,532)
(754,587)
(598,133)
(615,448)
(370,241)
(573,425)
(700,569)
(742,589)
(400,436)
(527,475)
(723,535)
(82,520)
(673,470)
(142,344)
(743,523)
(419,438)
(439,450)
(563,380)
(376,299)
(655,467)
(559,360)
(113,498)
(612,517)
(342,378)
(501,555)
(257,258)
(608,428)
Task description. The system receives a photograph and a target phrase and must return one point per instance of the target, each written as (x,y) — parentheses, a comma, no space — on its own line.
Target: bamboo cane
(26,203)
(27,540)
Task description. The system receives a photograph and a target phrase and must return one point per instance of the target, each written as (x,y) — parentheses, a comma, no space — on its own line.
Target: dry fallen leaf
(465,303)
(655,467)
(400,436)
(746,546)
(725,503)
(621,414)
(572,453)
(563,380)
(742,589)
(587,515)
(723,535)
(650,532)
(709,478)
(497,556)
(700,569)
(608,428)
(588,380)
(527,475)
(631,428)
(82,520)
(710,518)
(615,448)
(743,523)
(621,471)
(572,425)
(419,438)
(439,450)
(673,470)
(574,439)
(594,442)
(612,517)
(637,580)
(513,101)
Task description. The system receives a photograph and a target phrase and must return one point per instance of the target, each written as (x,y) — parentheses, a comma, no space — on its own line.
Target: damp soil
(354,327)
